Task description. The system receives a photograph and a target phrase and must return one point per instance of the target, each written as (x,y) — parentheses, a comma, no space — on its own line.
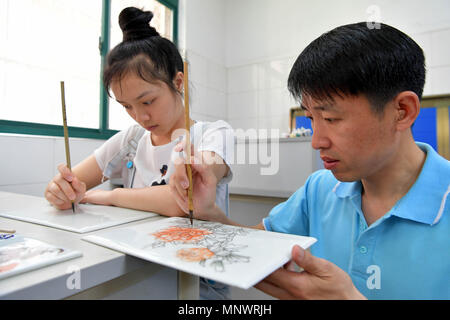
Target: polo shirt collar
(348,189)
(425,201)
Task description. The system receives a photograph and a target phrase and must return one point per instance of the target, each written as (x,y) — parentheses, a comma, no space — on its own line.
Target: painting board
(87,217)
(232,255)
(19,254)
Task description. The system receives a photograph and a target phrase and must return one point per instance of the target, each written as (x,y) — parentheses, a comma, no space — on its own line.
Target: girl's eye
(126,107)
(148,102)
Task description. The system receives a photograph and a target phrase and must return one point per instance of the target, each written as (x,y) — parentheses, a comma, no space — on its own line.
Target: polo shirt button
(363,249)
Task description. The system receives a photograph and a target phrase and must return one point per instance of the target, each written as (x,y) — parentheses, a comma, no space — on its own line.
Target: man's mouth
(329,163)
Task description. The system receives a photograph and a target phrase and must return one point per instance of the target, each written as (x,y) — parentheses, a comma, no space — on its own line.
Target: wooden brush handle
(188,136)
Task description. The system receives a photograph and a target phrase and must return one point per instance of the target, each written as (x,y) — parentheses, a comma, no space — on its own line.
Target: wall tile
(428,88)
(274,74)
(276,122)
(242,105)
(216,104)
(197,68)
(440,48)
(79,150)
(36,189)
(216,76)
(441,80)
(273,102)
(197,97)
(203,117)
(25,160)
(244,123)
(241,79)
(424,41)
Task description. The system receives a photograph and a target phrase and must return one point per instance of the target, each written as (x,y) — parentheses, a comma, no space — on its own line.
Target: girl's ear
(407,106)
(178,81)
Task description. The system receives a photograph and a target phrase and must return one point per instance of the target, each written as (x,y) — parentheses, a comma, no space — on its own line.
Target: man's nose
(320,138)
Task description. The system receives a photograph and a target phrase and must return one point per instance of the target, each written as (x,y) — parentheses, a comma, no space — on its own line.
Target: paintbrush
(7,231)
(188,142)
(66,132)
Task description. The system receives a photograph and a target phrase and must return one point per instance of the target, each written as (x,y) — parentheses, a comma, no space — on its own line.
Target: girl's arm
(156,199)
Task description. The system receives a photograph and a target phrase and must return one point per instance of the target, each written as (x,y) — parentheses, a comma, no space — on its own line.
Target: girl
(145,74)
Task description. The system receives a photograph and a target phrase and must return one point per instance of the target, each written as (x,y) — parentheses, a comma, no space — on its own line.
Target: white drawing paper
(232,255)
(87,217)
(19,254)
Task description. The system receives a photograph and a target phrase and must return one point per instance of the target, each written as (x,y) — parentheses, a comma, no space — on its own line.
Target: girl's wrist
(113,196)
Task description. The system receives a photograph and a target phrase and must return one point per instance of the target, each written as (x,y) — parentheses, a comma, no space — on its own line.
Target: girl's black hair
(142,51)
(356,59)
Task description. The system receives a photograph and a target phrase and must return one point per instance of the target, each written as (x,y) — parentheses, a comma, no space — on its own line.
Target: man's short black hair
(355,59)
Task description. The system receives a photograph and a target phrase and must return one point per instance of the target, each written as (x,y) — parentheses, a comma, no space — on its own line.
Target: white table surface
(97,266)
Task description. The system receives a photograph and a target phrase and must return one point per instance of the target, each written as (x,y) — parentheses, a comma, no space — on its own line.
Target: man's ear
(407,108)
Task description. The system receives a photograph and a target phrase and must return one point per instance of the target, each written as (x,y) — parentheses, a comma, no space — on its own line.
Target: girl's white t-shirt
(154,164)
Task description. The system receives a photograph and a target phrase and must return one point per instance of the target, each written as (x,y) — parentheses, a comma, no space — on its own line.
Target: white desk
(104,273)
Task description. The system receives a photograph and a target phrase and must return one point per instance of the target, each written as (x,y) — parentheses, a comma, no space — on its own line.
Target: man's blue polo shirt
(403,255)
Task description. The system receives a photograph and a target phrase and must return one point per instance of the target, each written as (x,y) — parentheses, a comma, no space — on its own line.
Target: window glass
(43,42)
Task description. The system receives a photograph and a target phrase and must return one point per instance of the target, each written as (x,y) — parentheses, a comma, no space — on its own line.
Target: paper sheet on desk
(19,254)
(232,255)
(86,218)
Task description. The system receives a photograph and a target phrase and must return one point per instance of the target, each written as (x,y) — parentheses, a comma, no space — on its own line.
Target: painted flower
(194,254)
(185,235)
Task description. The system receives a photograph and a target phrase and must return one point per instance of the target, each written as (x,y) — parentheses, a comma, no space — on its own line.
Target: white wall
(202,39)
(29,162)
(264,37)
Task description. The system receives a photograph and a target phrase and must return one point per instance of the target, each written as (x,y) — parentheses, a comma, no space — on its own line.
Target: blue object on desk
(6,236)
(302,121)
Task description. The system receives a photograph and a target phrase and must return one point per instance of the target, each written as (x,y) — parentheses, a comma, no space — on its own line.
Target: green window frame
(103,132)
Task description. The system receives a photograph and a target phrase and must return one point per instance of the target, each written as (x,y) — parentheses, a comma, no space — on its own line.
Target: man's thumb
(307,261)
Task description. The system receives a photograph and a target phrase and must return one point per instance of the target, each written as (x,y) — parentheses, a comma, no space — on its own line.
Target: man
(380,209)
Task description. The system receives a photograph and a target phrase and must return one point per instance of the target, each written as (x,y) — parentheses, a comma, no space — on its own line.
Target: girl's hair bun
(135,24)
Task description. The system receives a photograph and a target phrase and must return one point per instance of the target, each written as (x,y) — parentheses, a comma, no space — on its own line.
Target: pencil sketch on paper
(212,243)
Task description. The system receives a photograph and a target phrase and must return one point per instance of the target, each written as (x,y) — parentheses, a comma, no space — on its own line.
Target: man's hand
(319,280)
(204,182)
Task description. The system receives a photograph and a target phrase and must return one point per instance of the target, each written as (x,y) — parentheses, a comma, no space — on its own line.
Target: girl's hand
(64,188)
(102,197)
